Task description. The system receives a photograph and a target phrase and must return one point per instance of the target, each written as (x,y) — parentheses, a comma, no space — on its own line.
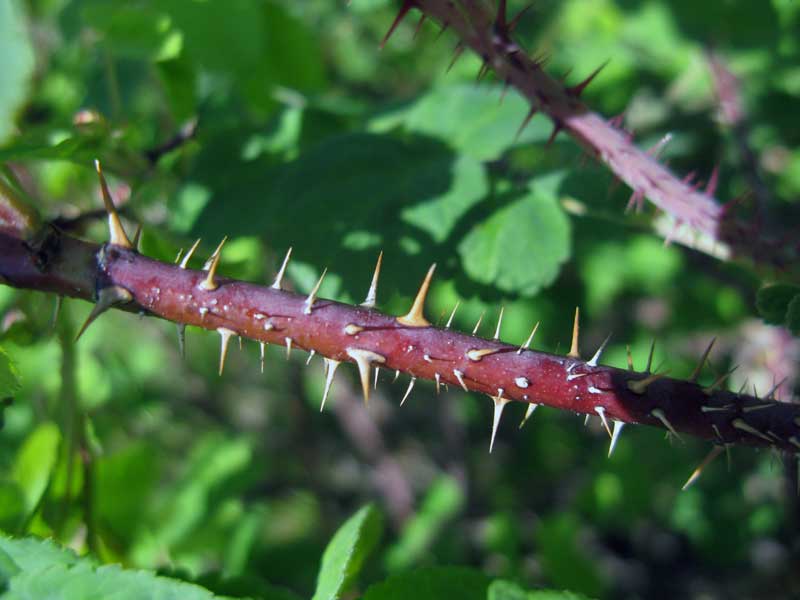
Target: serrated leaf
(9,376)
(15,48)
(346,552)
(432,583)
(35,463)
(521,246)
(772,301)
(34,555)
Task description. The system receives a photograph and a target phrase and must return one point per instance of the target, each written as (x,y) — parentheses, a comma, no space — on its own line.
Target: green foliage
(779,304)
(15,48)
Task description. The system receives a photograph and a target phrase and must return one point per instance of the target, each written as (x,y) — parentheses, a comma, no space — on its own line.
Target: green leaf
(432,583)
(772,301)
(9,376)
(555,595)
(34,555)
(8,568)
(346,552)
(521,246)
(793,315)
(35,463)
(506,590)
(15,48)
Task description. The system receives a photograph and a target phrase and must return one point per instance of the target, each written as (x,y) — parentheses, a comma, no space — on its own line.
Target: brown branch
(487,31)
(339,332)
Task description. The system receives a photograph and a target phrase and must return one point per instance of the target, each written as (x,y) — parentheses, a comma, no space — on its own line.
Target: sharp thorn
(770,394)
(225,338)
(593,361)
(178,256)
(288,341)
(719,381)
(372,293)
(696,373)
(715,452)
(117,233)
(531,113)
(262,347)
(330,370)
(136,237)
(106,298)
(406,6)
(499,405)
(528,413)
(415,316)
(188,256)
(311,354)
(457,52)
(659,414)
(602,413)
(499,324)
(438,379)
(639,386)
(460,377)
(377,372)
(577,90)
(573,349)
(396,375)
(741,425)
(650,356)
(181,339)
(309,303)
(408,390)
(56,311)
(529,340)
(279,277)
(363,360)
(618,426)
(452,314)
(557,127)
(216,253)
(209,283)
(478,324)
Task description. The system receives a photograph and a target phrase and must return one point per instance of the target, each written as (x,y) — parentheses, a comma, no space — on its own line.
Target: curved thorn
(696,373)
(363,360)
(311,354)
(593,361)
(452,314)
(408,390)
(309,303)
(618,425)
(499,405)
(529,340)
(372,293)
(279,277)
(225,338)
(415,316)
(330,370)
(715,452)
(117,233)
(499,324)
(478,324)
(528,413)
(106,298)
(188,256)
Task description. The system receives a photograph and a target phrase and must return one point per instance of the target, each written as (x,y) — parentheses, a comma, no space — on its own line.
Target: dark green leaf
(35,463)
(9,376)
(432,583)
(773,301)
(17,57)
(793,315)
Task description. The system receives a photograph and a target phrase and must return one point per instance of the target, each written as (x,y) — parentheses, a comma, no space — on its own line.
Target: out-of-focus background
(282,124)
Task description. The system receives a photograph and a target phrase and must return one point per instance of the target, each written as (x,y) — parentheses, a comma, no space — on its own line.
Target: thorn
(56,311)
(330,370)
(178,256)
(452,314)
(457,52)
(744,385)
(117,233)
(771,392)
(262,346)
(655,149)
(216,253)
(415,316)
(576,90)
(188,256)
(512,24)
(719,381)
(742,426)
(419,25)
(460,376)
(478,324)
(639,386)
(209,283)
(711,186)
(696,373)
(557,127)
(311,354)
(136,236)
(240,344)
(377,372)
(659,414)
(438,379)
(396,375)
(407,6)
(475,355)
(528,413)
(363,359)
(499,323)
(715,452)
(408,390)
(596,357)
(279,277)
(650,356)
(618,426)
(630,357)
(106,298)
(529,340)
(573,350)
(636,201)
(372,293)
(499,405)
(181,339)
(309,304)
(225,338)
(602,412)
(288,341)
(531,113)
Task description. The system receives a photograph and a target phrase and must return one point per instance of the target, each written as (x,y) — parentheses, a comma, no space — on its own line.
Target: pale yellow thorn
(639,386)
(438,379)
(573,349)
(618,425)
(602,413)
(499,405)
(188,256)
(209,283)
(279,277)
(529,340)
(715,452)
(460,376)
(116,231)
(178,256)
(330,370)
(528,413)
(696,373)
(263,348)
(309,304)
(375,382)
(477,354)
(215,254)
(499,323)
(288,341)
(415,317)
(452,314)
(372,293)
(225,338)
(136,237)
(659,414)
(106,298)
(741,425)
(311,354)
(478,324)
(363,359)
(408,390)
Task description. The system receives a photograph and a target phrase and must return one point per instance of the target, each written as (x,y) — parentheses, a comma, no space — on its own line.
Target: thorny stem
(64,265)
(487,31)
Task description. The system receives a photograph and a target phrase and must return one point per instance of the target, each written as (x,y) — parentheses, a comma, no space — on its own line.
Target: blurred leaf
(521,246)
(8,568)
(432,583)
(9,376)
(507,590)
(34,555)
(35,463)
(565,560)
(15,48)
(346,552)
(773,302)
(793,315)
